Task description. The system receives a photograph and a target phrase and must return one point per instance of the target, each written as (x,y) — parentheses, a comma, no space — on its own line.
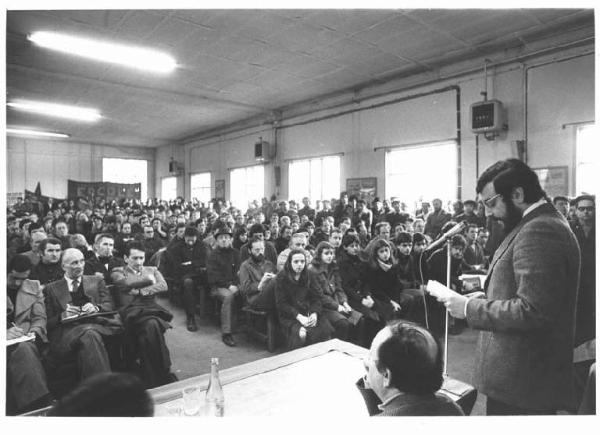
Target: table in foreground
(317,379)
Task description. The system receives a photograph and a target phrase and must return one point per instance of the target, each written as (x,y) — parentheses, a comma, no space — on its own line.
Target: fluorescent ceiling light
(134,57)
(57,110)
(23,132)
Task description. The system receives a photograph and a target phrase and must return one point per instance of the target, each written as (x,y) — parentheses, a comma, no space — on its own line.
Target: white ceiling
(236,65)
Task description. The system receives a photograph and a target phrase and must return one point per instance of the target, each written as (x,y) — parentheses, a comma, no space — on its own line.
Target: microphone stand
(448,265)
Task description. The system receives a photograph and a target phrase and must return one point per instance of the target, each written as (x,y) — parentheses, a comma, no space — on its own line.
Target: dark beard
(257,258)
(513,217)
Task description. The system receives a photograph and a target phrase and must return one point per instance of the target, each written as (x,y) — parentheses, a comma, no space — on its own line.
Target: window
(126,171)
(584,157)
(168,189)
(317,178)
(200,186)
(247,184)
(415,174)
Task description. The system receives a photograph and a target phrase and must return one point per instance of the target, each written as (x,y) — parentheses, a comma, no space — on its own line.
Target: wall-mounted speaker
(262,151)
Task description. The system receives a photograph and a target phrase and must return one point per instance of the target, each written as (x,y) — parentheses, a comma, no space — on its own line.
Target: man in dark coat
(102,261)
(145,321)
(524,359)
(223,266)
(584,228)
(189,263)
(49,268)
(72,331)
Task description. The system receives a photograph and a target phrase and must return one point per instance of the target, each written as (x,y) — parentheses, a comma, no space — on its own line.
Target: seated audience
(351,273)
(189,262)
(102,261)
(256,277)
(80,339)
(404,371)
(299,304)
(259,231)
(49,268)
(223,265)
(26,314)
(324,274)
(144,320)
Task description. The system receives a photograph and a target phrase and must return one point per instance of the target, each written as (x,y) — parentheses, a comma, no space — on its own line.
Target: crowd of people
(83,278)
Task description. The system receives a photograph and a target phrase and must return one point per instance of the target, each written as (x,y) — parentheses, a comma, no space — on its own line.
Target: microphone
(451,232)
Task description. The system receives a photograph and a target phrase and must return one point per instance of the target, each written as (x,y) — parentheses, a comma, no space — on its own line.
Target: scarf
(384,266)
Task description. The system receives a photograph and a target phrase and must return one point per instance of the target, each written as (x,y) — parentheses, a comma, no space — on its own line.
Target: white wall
(52,163)
(558,93)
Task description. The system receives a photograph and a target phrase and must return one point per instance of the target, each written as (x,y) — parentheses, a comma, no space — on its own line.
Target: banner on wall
(92,191)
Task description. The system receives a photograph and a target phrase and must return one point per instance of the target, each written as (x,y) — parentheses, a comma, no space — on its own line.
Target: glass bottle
(215,400)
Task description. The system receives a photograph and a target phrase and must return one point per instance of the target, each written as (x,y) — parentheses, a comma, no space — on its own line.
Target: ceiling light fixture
(56,110)
(134,57)
(24,132)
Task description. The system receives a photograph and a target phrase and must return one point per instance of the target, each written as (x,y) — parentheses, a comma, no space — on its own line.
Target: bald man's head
(73,263)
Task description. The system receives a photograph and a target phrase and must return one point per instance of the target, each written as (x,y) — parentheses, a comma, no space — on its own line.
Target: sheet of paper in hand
(438,290)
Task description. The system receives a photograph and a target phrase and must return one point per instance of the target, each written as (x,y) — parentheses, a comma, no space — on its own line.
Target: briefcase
(460,392)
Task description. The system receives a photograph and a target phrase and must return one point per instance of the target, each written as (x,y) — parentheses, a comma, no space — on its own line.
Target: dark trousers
(340,323)
(92,357)
(191,293)
(265,299)
(495,407)
(25,375)
(155,361)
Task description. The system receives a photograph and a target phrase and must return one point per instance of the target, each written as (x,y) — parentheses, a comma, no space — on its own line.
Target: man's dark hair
(349,239)
(256,229)
(106,395)
(458,241)
(134,244)
(19,263)
(419,237)
(414,358)
(49,241)
(506,175)
(403,237)
(559,198)
(35,226)
(380,225)
(180,225)
(190,232)
(470,202)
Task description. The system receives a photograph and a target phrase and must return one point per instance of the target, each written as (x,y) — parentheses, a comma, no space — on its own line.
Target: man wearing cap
(223,265)
(468,215)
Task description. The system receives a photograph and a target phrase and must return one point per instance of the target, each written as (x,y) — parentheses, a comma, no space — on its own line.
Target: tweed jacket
(57,296)
(525,349)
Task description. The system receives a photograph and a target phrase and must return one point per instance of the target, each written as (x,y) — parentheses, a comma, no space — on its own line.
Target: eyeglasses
(589,208)
(490,202)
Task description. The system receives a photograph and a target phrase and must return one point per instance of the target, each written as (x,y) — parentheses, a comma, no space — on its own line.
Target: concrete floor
(191,351)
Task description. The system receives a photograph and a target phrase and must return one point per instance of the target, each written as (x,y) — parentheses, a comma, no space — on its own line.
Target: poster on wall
(220,189)
(554,180)
(365,188)
(92,191)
